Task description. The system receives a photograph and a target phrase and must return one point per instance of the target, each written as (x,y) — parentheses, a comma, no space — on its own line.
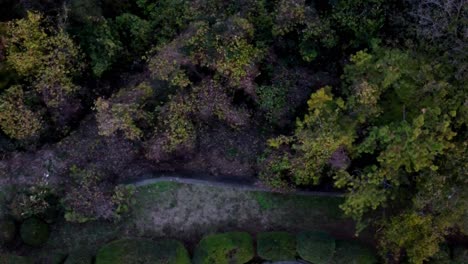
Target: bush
(353,253)
(276,246)
(130,251)
(12,259)
(34,232)
(232,248)
(7,231)
(316,247)
(79,257)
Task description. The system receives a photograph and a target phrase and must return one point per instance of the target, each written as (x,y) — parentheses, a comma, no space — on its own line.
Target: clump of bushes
(34,232)
(90,197)
(353,253)
(7,231)
(316,247)
(231,247)
(131,251)
(12,259)
(276,246)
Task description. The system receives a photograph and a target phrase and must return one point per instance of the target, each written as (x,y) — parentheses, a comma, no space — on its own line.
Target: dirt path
(224,182)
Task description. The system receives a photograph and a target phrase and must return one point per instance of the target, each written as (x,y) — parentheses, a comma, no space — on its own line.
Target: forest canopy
(364,97)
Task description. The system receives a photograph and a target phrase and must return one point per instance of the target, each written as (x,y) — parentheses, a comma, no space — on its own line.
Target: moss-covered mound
(34,232)
(460,255)
(79,257)
(316,247)
(276,246)
(226,248)
(352,252)
(7,231)
(132,251)
(12,259)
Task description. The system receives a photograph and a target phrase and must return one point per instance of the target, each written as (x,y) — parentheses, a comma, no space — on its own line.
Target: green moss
(129,251)
(226,248)
(12,259)
(316,247)
(353,253)
(7,231)
(276,246)
(34,232)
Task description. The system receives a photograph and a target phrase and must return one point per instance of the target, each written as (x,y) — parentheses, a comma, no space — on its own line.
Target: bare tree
(444,24)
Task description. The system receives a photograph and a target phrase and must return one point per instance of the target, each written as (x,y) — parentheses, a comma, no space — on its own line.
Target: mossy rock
(79,257)
(316,247)
(34,232)
(7,231)
(130,251)
(460,255)
(352,252)
(226,248)
(12,259)
(276,246)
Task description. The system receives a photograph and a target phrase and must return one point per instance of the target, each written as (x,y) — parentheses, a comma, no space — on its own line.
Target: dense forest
(364,97)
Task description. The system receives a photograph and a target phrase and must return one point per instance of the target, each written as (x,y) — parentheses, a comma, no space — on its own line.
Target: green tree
(101,42)
(406,112)
(17,120)
(46,57)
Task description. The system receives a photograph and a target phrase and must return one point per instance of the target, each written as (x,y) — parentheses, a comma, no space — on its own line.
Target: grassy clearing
(187,212)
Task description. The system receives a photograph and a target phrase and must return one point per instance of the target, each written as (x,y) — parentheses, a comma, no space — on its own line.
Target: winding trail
(222,182)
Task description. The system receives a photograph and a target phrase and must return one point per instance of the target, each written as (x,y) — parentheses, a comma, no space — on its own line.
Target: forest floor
(189,211)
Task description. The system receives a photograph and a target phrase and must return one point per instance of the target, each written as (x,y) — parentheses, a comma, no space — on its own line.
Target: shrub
(79,257)
(52,258)
(351,252)
(232,248)
(276,246)
(316,247)
(34,232)
(7,231)
(35,201)
(12,259)
(91,198)
(131,251)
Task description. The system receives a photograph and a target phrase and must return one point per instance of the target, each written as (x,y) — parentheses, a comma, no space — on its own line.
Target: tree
(123,111)
(401,114)
(100,40)
(17,120)
(49,61)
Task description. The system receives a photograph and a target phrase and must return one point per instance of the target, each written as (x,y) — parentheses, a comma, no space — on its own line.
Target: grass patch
(159,187)
(188,212)
(328,205)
